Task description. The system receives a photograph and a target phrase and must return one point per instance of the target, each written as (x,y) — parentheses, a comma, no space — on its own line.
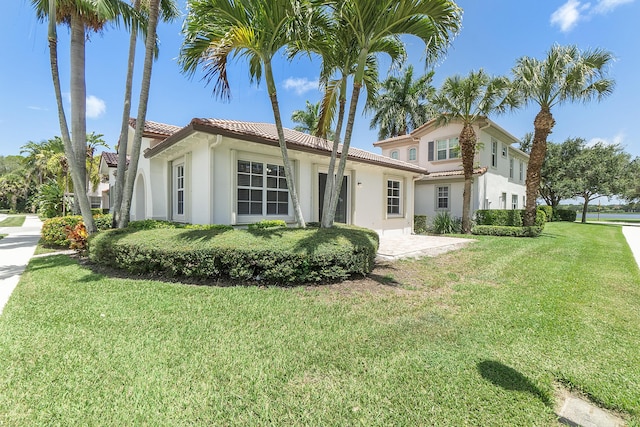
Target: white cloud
(36,108)
(606,6)
(568,15)
(96,107)
(300,85)
(618,138)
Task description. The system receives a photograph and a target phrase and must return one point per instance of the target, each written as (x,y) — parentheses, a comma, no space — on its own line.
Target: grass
(629,220)
(13,221)
(473,337)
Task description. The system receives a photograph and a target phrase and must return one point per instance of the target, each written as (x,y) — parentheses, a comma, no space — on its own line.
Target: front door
(341,209)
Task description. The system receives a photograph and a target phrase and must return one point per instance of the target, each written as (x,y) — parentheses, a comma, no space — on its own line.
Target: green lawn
(13,221)
(475,337)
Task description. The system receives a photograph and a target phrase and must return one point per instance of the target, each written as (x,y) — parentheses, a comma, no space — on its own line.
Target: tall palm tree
(168,12)
(565,75)
(252,29)
(401,105)
(80,16)
(375,23)
(470,99)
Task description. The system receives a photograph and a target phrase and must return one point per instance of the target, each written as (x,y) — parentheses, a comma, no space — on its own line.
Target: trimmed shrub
(444,223)
(548,211)
(269,256)
(566,215)
(419,224)
(507,217)
(496,230)
(151,224)
(54,230)
(267,223)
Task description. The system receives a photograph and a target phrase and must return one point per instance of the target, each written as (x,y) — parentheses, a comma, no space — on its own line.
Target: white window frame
(503,201)
(179,188)
(446,197)
(504,150)
(511,168)
(514,202)
(451,149)
(263,178)
(494,153)
(521,171)
(394,192)
(394,154)
(414,151)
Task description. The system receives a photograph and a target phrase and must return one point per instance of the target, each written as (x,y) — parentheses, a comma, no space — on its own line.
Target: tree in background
(470,99)
(632,194)
(556,181)
(600,170)
(307,120)
(565,75)
(400,104)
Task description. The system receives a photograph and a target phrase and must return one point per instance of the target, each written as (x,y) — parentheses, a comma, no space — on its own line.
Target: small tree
(556,174)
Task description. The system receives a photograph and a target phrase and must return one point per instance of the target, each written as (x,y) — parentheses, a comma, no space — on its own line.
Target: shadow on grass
(51,261)
(509,379)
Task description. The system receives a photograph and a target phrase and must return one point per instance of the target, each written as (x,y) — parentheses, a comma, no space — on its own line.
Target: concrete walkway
(632,234)
(15,251)
(414,246)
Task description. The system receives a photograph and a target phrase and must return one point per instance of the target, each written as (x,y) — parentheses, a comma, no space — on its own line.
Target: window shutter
(430,156)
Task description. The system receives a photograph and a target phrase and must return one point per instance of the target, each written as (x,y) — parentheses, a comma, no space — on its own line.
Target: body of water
(621,217)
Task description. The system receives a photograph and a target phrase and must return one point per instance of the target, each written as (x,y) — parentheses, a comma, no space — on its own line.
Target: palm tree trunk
(327,216)
(543,124)
(124,128)
(468,147)
(150,44)
(293,193)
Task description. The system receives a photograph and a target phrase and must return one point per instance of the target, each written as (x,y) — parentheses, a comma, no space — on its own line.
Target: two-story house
(499,175)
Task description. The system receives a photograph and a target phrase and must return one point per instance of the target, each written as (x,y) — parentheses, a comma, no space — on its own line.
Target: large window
(413,154)
(442,197)
(494,153)
(447,149)
(262,189)
(393,197)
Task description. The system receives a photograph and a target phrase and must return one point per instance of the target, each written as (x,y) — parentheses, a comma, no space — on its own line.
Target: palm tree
(401,106)
(469,99)
(566,74)
(80,16)
(168,12)
(307,120)
(374,24)
(252,29)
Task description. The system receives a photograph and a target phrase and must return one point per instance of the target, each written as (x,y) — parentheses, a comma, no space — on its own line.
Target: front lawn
(475,337)
(13,221)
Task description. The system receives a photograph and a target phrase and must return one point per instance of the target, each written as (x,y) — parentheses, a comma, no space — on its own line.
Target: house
(231,172)
(499,174)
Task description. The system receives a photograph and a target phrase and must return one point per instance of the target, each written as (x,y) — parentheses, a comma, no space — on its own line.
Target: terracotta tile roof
(455,172)
(266,133)
(111,159)
(155,129)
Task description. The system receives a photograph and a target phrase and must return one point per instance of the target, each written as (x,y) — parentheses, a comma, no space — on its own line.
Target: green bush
(548,211)
(444,223)
(54,230)
(507,217)
(271,256)
(419,224)
(151,224)
(511,231)
(267,223)
(566,215)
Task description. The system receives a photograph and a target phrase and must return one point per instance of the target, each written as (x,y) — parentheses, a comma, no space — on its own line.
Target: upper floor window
(521,170)
(504,150)
(413,154)
(494,153)
(511,168)
(394,154)
(444,149)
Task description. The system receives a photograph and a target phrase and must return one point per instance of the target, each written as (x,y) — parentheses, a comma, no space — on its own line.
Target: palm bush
(444,223)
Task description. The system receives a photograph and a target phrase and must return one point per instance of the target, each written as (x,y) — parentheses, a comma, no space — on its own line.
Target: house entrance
(341,210)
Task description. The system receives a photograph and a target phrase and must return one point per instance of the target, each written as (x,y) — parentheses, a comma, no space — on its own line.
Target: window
(521,170)
(523,201)
(393,197)
(394,154)
(96,202)
(514,201)
(494,153)
(262,189)
(511,168)
(504,151)
(447,149)
(179,183)
(503,201)
(413,154)
(442,197)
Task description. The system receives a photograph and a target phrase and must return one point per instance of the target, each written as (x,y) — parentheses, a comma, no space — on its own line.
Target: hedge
(420,224)
(507,217)
(548,211)
(493,230)
(566,215)
(270,256)
(54,230)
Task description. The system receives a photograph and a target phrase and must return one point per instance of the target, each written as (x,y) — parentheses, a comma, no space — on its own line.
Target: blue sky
(494,34)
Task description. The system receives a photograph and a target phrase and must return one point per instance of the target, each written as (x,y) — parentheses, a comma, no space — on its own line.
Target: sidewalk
(15,251)
(632,234)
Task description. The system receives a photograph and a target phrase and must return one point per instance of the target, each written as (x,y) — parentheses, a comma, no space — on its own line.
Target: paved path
(413,246)
(632,234)
(15,251)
